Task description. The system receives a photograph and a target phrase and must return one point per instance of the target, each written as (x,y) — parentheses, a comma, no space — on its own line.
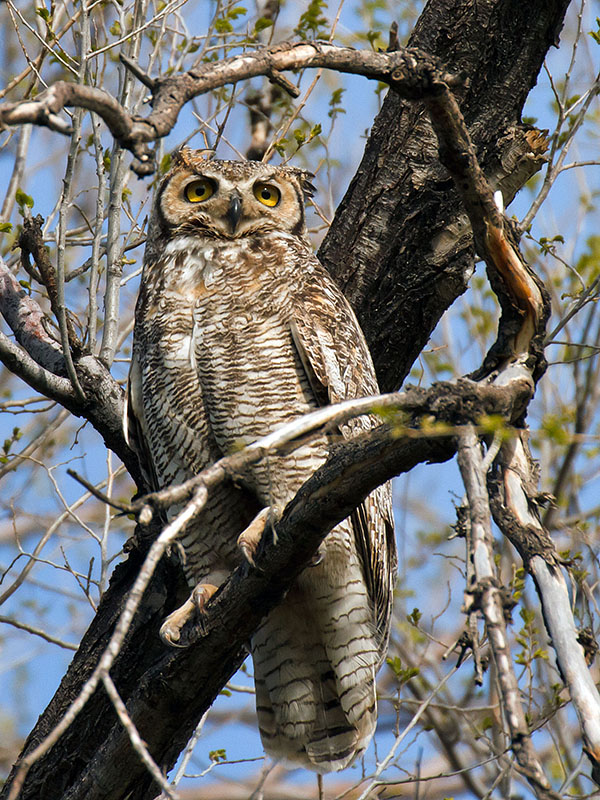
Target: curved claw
(250,537)
(171,634)
(201,595)
(170,630)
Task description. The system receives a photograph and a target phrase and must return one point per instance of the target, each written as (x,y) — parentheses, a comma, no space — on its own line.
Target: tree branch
(432,268)
(354,469)
(485,593)
(39,362)
(512,488)
(416,234)
(410,72)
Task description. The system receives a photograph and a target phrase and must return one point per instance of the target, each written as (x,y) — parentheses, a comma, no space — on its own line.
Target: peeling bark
(399,246)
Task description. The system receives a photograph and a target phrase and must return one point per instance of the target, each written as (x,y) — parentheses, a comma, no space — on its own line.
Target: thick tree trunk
(400,245)
(401,248)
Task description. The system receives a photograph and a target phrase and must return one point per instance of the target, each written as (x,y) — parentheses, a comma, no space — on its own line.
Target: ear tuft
(186,157)
(305,177)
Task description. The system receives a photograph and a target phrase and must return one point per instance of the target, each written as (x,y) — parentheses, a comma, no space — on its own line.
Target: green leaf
(218,755)
(335,100)
(374,39)
(165,164)
(23,199)
(236,12)
(414,617)
(312,22)
(223,25)
(402,675)
(5,227)
(261,24)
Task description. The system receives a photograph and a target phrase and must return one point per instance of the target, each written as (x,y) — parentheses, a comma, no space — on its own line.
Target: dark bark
(39,361)
(390,246)
(393,249)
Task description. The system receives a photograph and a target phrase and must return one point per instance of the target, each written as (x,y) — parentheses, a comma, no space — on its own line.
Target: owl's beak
(234,212)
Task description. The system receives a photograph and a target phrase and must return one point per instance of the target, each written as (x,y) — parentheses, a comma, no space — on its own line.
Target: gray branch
(486,594)
(20,363)
(40,363)
(516,514)
(409,71)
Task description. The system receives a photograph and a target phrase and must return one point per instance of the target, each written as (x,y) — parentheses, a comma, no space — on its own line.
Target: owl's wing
(134,425)
(338,364)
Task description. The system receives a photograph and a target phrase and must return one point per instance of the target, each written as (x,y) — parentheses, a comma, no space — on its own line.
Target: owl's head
(230,199)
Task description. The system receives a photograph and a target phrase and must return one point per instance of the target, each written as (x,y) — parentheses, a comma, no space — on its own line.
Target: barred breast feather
(235,337)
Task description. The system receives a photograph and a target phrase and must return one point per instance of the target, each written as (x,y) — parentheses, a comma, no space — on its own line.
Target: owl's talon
(317,558)
(201,595)
(250,537)
(170,630)
(171,636)
(248,552)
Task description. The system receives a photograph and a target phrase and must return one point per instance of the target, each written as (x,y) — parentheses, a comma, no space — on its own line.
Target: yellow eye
(199,191)
(267,194)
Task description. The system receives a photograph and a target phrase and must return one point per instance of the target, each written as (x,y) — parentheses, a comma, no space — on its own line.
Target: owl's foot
(250,537)
(170,630)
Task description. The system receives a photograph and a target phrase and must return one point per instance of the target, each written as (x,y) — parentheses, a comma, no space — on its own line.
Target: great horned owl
(238,330)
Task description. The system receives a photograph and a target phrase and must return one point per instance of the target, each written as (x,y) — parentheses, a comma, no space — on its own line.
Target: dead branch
(485,593)
(518,351)
(454,403)
(409,71)
(31,242)
(512,495)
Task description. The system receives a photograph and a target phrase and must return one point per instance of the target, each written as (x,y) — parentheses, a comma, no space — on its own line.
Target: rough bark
(399,246)
(402,252)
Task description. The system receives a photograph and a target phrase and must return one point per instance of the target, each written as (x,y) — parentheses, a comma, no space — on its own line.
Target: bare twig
(486,593)
(449,402)
(155,553)
(37,632)
(135,738)
(409,71)
(17,173)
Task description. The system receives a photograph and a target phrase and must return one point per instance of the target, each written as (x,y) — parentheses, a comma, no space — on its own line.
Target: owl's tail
(315,660)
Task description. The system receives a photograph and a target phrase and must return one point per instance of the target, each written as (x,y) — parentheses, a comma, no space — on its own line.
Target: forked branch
(409,71)
(517,353)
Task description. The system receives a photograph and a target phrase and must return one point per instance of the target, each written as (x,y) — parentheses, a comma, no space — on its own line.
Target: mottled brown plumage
(239,330)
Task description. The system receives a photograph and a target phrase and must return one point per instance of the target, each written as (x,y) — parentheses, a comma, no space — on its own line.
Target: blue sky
(30,669)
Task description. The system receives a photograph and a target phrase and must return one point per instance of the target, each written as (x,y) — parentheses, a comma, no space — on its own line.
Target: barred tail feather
(314,669)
